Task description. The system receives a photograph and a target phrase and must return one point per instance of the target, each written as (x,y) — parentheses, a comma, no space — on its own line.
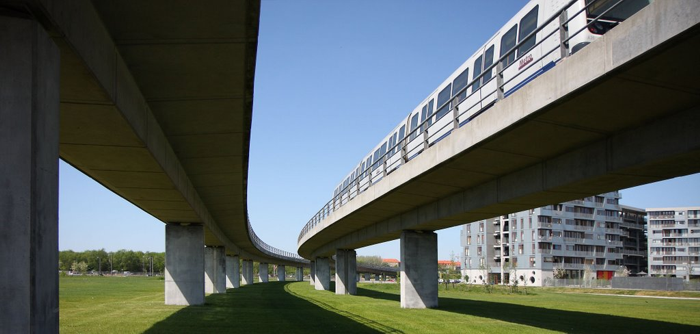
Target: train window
(423,115)
(414,123)
(488,61)
(402,134)
(392,145)
(383,149)
(527,25)
(459,83)
(368,164)
(507,44)
(430,112)
(443,100)
(377,156)
(477,72)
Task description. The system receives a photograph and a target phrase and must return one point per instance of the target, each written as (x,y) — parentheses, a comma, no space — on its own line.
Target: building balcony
(632,225)
(544,225)
(613,230)
(613,219)
(634,252)
(578,227)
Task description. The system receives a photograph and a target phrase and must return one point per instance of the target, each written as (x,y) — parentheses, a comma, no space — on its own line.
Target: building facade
(588,238)
(674,242)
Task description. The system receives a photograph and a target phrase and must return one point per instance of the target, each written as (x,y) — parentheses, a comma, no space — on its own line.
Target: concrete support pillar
(29,103)
(184,264)
(214,269)
(419,271)
(281,273)
(358,277)
(322,280)
(367,277)
(262,271)
(247,272)
(312,273)
(345,272)
(300,274)
(233,272)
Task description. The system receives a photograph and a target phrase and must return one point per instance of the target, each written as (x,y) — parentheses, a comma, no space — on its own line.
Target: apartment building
(674,242)
(591,237)
(633,231)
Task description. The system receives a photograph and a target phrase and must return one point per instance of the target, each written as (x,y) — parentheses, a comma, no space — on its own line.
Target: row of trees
(103,261)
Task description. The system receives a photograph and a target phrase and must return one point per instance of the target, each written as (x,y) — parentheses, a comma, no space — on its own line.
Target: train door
(414,143)
(527,63)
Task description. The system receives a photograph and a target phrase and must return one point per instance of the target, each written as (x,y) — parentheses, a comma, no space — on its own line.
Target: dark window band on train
(414,124)
(488,61)
(430,112)
(443,97)
(460,82)
(507,44)
(477,72)
(527,25)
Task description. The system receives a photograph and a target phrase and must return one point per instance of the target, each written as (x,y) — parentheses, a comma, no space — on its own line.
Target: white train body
(466,92)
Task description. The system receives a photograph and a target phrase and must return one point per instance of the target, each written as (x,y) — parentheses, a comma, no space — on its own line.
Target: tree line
(106,262)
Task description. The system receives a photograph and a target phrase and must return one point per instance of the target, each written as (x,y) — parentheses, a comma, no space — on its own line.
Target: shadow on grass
(551,319)
(260,308)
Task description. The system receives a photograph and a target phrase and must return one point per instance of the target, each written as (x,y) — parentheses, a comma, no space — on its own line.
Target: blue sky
(332,79)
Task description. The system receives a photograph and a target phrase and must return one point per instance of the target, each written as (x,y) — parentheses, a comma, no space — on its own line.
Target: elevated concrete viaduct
(623,111)
(151,99)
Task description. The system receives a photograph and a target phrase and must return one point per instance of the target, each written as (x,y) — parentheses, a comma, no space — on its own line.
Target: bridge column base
(247,272)
(29,109)
(312,273)
(300,274)
(322,280)
(233,272)
(184,264)
(263,273)
(345,272)
(214,269)
(281,273)
(419,280)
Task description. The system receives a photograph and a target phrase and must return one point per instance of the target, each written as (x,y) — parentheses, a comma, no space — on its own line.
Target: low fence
(635,283)
(648,283)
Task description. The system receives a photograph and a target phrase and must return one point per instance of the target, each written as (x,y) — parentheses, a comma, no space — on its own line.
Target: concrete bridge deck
(622,112)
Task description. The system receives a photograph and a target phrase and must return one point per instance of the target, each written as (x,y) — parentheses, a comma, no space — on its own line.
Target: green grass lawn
(135,305)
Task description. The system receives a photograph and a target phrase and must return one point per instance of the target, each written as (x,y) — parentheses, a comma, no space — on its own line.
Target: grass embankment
(133,304)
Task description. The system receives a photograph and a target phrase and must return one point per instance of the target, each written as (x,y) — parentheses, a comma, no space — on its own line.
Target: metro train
(531,43)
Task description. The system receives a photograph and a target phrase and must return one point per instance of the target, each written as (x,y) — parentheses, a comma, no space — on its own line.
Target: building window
(532,261)
(469,240)
(520,249)
(481,227)
(478,250)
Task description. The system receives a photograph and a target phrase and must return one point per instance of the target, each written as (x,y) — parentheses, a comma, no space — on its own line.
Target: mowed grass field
(135,305)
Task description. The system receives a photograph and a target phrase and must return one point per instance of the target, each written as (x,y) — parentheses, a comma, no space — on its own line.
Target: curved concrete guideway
(619,113)
(166,133)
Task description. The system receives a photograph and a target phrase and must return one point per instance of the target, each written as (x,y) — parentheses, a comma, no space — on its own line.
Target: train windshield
(621,12)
